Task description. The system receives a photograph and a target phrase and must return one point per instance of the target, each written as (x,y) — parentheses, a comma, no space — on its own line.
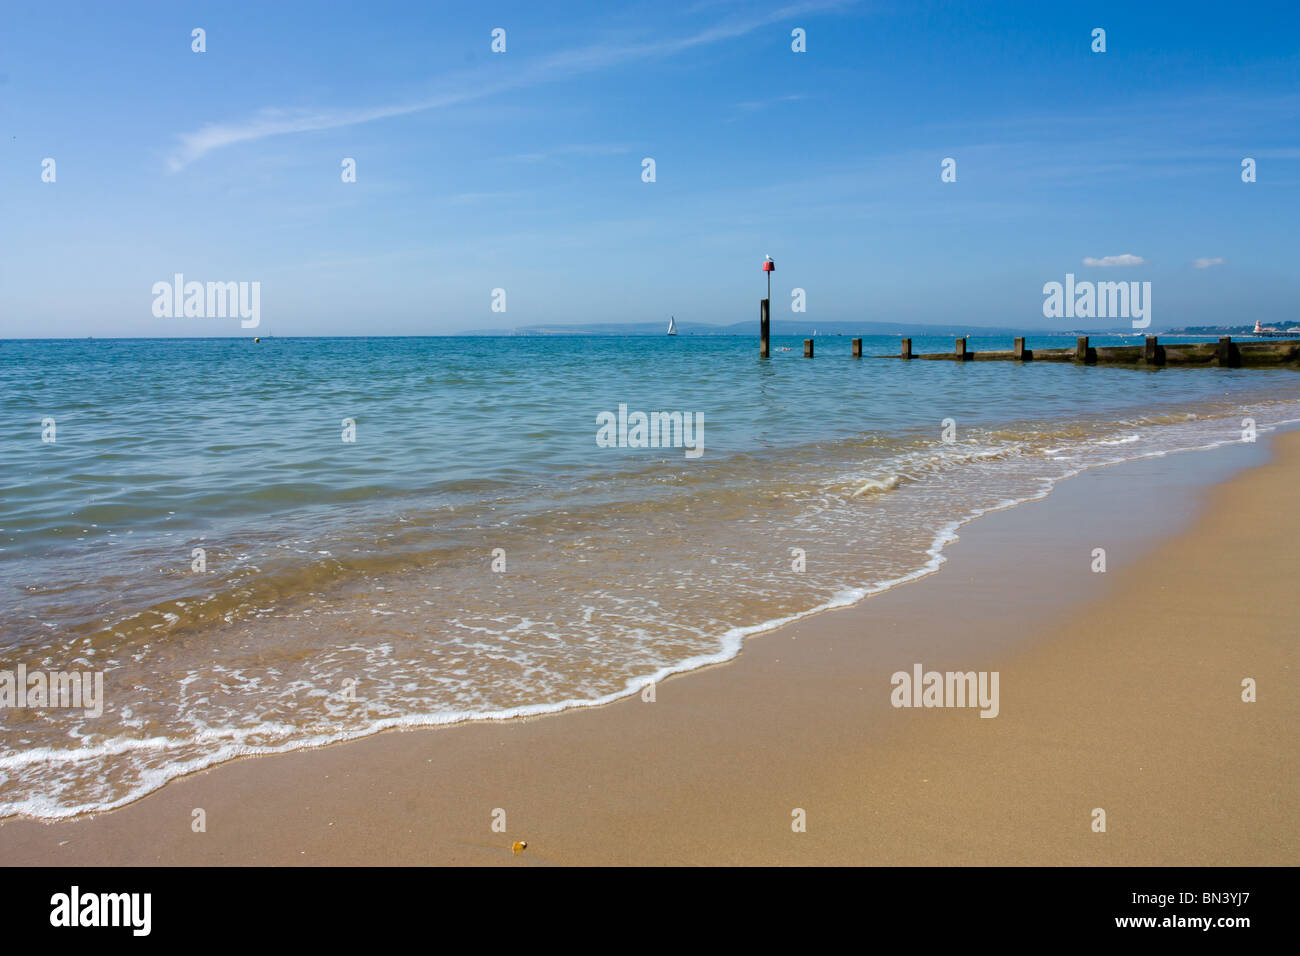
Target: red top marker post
(764,313)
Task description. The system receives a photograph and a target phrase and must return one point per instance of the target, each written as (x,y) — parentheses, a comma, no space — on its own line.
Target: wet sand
(1118,690)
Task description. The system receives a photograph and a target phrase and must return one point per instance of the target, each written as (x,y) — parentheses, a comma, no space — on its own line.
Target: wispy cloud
(1204,263)
(277,122)
(1106,261)
(274,122)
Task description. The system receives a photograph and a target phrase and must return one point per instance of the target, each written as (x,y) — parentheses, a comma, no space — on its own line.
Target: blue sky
(522,170)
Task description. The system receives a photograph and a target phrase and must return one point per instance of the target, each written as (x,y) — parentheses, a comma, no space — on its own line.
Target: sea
(274,545)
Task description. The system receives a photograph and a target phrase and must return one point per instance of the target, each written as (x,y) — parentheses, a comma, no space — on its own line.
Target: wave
(292,616)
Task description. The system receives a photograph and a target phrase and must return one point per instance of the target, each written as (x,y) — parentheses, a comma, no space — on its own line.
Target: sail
(672,325)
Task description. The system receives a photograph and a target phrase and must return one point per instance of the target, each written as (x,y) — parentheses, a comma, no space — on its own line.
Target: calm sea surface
(474,552)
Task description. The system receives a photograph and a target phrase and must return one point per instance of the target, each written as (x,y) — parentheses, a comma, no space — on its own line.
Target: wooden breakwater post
(1275,353)
(1225,355)
(857,348)
(1152,352)
(807,348)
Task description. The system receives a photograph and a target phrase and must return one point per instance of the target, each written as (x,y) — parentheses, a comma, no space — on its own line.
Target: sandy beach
(1119,690)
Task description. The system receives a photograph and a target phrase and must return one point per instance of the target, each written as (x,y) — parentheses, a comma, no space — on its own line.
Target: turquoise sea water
(475,552)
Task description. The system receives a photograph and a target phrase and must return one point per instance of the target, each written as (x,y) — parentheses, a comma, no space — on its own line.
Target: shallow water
(355,585)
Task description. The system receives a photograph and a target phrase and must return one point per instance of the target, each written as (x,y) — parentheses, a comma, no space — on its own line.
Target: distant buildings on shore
(1258,329)
(1270,330)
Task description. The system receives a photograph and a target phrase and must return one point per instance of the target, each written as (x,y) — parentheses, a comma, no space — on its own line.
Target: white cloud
(1204,263)
(273,122)
(1107,261)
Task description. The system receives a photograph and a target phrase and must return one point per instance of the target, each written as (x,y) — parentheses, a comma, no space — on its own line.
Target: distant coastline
(825,328)
(748,329)
(1289,332)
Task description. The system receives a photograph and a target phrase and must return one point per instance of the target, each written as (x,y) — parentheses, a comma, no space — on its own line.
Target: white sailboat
(672,325)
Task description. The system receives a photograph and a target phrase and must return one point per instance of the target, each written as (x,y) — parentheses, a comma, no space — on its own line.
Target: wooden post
(807,348)
(764,327)
(1151,351)
(905,349)
(857,348)
(1081,349)
(1018,350)
(961,349)
(1223,354)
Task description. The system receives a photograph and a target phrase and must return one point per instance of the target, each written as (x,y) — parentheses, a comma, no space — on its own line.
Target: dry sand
(1119,691)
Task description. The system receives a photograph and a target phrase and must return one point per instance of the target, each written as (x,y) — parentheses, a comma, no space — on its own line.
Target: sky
(523,170)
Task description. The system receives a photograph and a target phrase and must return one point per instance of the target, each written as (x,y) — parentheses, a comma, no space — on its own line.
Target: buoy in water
(256,339)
